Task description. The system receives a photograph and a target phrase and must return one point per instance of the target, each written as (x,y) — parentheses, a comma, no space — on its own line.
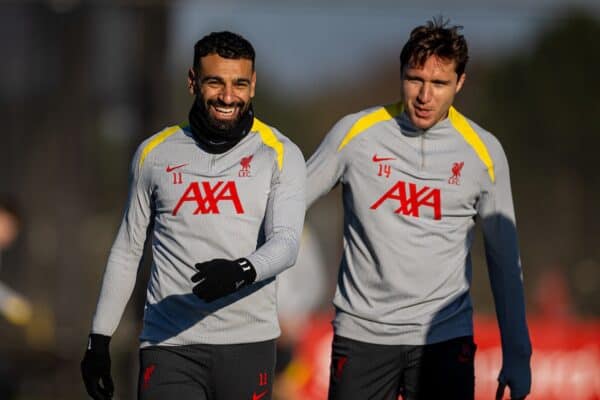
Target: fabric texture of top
(411,199)
(196,206)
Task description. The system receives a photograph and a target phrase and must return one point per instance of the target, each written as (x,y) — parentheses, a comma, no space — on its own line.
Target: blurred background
(84,82)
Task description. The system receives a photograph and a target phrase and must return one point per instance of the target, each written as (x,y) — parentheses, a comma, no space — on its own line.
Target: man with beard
(224,202)
(416,175)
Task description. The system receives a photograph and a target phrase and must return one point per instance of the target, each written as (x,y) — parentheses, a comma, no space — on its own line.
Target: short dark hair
(226,44)
(435,38)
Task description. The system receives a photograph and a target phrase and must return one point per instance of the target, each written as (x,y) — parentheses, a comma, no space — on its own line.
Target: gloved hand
(96,367)
(500,393)
(219,277)
(517,376)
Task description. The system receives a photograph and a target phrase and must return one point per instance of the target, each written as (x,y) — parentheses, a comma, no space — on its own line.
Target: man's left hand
(219,277)
(517,376)
(500,393)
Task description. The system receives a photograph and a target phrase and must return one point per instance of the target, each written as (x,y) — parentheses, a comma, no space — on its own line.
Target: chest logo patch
(380,159)
(411,199)
(177,175)
(245,166)
(456,168)
(207,197)
(383,168)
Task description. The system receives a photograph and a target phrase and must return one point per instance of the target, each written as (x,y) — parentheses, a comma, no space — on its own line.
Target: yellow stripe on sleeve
(158,139)
(381,114)
(269,139)
(461,124)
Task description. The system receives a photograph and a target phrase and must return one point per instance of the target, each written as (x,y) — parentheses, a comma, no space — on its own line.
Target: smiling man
(223,201)
(415,177)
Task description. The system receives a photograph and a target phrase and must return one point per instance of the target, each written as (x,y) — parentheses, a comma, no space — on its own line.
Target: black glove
(219,277)
(500,392)
(96,366)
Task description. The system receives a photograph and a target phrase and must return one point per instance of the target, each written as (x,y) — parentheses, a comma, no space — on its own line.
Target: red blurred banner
(565,362)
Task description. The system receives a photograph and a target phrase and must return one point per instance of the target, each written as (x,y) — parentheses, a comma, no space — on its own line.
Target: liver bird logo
(245,163)
(456,168)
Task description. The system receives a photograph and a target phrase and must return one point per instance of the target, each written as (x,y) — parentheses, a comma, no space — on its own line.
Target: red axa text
(207,197)
(410,199)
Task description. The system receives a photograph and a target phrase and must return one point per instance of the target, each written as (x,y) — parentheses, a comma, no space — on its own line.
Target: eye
(212,83)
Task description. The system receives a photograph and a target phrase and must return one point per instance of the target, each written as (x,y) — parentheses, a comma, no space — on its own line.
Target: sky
(301,44)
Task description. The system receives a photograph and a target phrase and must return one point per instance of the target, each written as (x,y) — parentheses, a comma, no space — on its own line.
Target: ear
(253,84)
(461,82)
(192,82)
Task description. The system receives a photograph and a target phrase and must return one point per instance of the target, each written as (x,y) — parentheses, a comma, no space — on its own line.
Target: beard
(216,134)
(224,124)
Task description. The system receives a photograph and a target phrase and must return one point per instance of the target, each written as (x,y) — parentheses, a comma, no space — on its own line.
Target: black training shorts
(207,372)
(366,371)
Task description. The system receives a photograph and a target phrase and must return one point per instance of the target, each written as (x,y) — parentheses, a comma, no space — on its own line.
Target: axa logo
(411,199)
(456,168)
(207,197)
(245,164)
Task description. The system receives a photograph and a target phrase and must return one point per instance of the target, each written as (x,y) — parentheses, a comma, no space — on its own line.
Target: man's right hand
(95,367)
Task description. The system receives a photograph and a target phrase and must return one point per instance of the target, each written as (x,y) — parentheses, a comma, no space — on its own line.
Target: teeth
(224,110)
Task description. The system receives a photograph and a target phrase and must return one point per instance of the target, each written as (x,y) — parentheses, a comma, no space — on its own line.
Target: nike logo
(239,284)
(171,169)
(379,159)
(259,396)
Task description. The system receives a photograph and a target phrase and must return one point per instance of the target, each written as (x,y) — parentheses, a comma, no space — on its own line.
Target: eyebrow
(441,81)
(220,79)
(211,77)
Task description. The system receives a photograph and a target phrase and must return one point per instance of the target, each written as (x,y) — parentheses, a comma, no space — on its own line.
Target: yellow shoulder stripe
(158,139)
(269,139)
(381,114)
(461,124)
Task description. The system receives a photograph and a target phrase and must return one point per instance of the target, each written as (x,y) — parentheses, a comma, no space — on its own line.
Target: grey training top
(411,198)
(247,202)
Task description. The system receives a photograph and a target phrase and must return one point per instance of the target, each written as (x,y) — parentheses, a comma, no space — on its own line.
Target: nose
(226,95)
(424,93)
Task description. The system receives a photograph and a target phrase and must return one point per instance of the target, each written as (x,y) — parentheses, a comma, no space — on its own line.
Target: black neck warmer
(213,139)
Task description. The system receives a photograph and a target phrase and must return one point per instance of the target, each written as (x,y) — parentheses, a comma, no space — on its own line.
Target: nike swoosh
(378,159)
(259,396)
(171,169)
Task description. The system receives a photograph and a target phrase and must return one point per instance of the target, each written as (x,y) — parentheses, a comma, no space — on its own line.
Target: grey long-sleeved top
(411,199)
(247,202)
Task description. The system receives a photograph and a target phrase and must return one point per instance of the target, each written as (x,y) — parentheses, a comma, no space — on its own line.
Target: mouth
(423,112)
(223,112)
(223,115)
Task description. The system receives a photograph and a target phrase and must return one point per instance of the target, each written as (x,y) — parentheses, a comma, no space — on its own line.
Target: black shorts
(366,371)
(207,372)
